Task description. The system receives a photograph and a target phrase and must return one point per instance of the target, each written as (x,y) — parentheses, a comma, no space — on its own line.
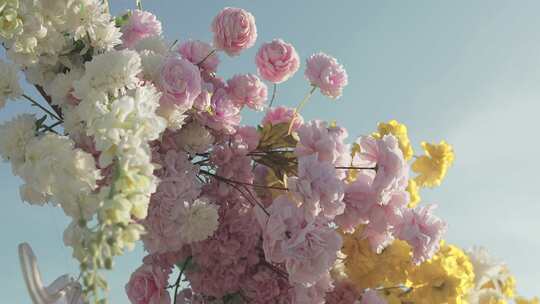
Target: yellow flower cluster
(521,300)
(446,278)
(367,269)
(10,23)
(432,166)
(400,132)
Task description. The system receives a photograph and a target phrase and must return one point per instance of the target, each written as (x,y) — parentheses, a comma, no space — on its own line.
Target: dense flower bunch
(151,148)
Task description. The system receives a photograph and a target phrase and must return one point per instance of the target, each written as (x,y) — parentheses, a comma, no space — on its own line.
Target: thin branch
(37,104)
(242,183)
(212,52)
(179,279)
(48,99)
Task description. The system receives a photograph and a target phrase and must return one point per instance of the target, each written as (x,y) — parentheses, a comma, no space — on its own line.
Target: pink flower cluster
(280,190)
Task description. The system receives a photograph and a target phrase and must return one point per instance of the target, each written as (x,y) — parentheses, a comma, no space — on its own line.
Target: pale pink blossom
(249,136)
(371,296)
(423,231)
(265,286)
(223,115)
(248,90)
(140,25)
(195,51)
(308,249)
(234,30)
(147,285)
(318,188)
(386,156)
(277,61)
(283,114)
(179,82)
(327,74)
(313,294)
(317,137)
(344,292)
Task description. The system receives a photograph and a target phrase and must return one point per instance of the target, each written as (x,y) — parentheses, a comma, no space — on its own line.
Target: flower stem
(273,96)
(301,105)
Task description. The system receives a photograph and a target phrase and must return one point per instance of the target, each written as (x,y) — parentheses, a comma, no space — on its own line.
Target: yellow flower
(400,132)
(446,278)
(432,167)
(521,300)
(414,193)
(367,269)
(10,23)
(508,287)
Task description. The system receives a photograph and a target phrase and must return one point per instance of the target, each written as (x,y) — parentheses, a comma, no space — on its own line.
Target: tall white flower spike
(64,290)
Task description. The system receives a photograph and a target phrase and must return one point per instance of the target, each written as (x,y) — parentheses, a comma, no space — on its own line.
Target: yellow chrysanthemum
(414,193)
(508,287)
(446,278)
(432,167)
(367,269)
(521,300)
(400,132)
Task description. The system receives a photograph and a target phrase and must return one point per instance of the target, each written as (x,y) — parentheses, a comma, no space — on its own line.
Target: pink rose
(147,285)
(277,61)
(195,51)
(140,25)
(224,114)
(248,90)
(326,73)
(282,114)
(179,81)
(234,30)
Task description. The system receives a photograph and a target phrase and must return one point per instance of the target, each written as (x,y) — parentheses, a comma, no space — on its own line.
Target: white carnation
(194,138)
(60,88)
(151,63)
(197,221)
(15,136)
(9,83)
(174,115)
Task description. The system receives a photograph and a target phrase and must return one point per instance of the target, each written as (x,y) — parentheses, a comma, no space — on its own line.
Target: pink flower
(314,294)
(326,73)
(308,250)
(265,286)
(234,30)
(344,293)
(249,90)
(423,231)
(371,296)
(179,81)
(392,170)
(147,285)
(326,141)
(249,136)
(224,114)
(141,24)
(318,188)
(195,51)
(277,61)
(283,114)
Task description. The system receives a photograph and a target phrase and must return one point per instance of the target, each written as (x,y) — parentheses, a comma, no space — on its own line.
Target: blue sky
(464,71)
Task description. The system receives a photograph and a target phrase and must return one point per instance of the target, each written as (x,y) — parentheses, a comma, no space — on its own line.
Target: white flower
(54,168)
(151,63)
(60,88)
(9,83)
(194,138)
(174,115)
(486,268)
(154,44)
(486,296)
(15,136)
(107,37)
(109,73)
(197,221)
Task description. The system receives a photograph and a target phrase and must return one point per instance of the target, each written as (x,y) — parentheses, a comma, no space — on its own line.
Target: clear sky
(464,71)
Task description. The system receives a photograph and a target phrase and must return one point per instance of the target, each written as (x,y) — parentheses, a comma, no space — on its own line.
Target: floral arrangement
(141,140)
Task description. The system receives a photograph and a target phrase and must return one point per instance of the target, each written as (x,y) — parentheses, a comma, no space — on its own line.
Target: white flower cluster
(198,221)
(9,83)
(51,32)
